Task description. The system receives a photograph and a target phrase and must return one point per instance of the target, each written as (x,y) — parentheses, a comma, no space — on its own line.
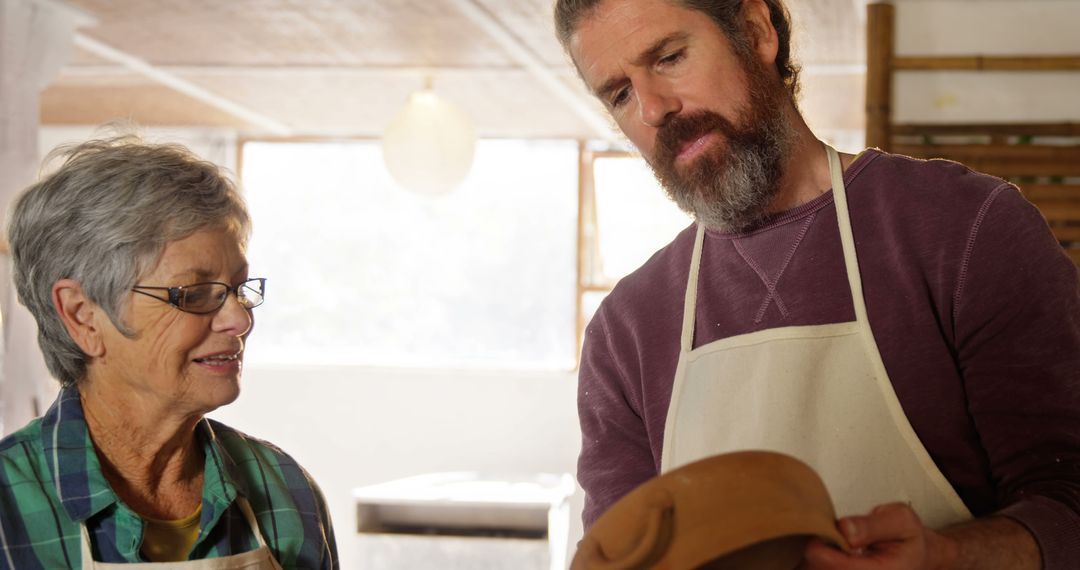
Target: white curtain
(35,41)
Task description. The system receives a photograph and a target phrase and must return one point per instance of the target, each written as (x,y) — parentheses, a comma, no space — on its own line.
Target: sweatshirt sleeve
(615,453)
(1017,325)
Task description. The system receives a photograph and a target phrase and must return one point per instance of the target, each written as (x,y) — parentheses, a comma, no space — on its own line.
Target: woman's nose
(233,318)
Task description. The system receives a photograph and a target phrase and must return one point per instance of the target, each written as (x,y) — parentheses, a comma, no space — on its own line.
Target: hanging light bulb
(428,147)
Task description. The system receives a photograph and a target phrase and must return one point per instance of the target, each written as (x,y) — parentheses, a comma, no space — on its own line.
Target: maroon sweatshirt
(974,306)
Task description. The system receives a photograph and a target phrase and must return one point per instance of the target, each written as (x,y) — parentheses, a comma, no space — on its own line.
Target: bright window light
(363,272)
(634,216)
(633,219)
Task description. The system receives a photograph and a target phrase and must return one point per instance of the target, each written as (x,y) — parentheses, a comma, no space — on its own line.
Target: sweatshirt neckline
(802,210)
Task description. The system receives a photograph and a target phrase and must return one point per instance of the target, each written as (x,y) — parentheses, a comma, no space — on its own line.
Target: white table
(465,520)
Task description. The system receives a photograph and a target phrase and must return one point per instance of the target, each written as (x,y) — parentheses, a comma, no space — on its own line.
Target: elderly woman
(131,259)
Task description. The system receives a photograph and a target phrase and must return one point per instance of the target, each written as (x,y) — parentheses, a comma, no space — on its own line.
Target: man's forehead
(616,32)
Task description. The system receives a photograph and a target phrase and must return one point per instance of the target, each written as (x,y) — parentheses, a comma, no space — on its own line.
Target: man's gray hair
(103,219)
(726,15)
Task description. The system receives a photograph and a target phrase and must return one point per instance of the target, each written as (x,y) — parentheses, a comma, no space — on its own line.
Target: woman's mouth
(220,362)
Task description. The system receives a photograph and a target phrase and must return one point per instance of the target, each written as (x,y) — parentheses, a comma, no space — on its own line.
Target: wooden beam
(1060,210)
(1054,153)
(585,201)
(1007,161)
(987,63)
(1014,129)
(879,54)
(294,71)
(1066,233)
(585,109)
(1037,192)
(173,81)
(1073,254)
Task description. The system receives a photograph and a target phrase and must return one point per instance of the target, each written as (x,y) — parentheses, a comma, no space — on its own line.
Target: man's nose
(656,104)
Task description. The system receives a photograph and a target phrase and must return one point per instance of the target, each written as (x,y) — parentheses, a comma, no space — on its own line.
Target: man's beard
(730,186)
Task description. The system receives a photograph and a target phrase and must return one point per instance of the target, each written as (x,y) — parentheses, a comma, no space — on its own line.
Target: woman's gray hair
(103,219)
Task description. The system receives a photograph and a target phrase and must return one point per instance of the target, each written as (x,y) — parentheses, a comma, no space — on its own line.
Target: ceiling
(345,67)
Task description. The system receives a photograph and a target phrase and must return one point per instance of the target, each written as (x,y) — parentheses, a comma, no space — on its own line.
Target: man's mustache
(685,128)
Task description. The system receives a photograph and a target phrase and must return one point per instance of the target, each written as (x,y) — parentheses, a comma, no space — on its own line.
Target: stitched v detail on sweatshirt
(770,282)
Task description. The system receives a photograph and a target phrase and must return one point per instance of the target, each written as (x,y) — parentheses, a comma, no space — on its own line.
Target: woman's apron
(259,559)
(819,393)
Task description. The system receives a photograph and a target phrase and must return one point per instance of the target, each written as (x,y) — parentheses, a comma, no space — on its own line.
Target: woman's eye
(196,296)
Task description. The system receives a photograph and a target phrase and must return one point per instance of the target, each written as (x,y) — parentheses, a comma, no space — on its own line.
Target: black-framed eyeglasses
(203,298)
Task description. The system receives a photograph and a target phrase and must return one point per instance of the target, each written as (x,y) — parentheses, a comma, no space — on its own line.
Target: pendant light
(428,147)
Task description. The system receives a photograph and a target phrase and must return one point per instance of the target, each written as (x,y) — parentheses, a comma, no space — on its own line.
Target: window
(363,272)
(498,274)
(626,218)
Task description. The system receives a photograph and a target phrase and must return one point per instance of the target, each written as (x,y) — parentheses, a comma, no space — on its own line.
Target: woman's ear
(760,31)
(78,313)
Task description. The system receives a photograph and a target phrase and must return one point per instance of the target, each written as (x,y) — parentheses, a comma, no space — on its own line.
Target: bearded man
(908,328)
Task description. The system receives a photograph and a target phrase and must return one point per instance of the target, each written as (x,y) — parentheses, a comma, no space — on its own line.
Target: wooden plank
(1063,161)
(879,54)
(598,287)
(1074,254)
(997,152)
(1066,233)
(987,63)
(1007,168)
(1056,211)
(1013,129)
(586,199)
(1036,192)
(1019,168)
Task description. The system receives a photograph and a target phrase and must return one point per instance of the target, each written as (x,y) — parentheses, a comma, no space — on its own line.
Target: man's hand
(892,537)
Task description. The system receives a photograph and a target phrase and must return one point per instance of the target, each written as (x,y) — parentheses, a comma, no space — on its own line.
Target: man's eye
(619,98)
(671,58)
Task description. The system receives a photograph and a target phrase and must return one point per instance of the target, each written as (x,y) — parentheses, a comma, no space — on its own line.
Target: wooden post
(879,55)
(586,216)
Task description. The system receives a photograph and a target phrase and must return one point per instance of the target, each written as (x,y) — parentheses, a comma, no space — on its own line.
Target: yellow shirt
(170,541)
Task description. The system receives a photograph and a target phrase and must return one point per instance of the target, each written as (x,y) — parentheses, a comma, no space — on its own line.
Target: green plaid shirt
(51,482)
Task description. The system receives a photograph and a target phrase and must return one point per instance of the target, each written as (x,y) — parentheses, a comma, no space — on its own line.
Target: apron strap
(249,515)
(851,263)
(84,546)
(847,240)
(690,300)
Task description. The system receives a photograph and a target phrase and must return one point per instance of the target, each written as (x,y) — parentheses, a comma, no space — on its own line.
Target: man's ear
(760,31)
(79,315)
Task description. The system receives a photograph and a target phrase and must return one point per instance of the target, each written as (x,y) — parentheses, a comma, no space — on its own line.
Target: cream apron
(259,559)
(819,393)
